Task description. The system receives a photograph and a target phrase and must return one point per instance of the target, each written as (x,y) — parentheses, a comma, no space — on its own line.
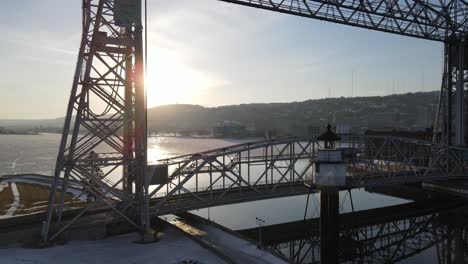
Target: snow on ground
(173,248)
(3,185)
(244,251)
(16,202)
(237,249)
(42,180)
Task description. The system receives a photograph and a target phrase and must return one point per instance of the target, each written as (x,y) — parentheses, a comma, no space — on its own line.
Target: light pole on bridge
(260,223)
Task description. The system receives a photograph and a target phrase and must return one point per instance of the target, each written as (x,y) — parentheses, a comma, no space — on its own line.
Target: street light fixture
(260,223)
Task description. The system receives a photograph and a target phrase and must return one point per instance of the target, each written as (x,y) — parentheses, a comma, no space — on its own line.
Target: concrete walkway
(173,248)
(230,246)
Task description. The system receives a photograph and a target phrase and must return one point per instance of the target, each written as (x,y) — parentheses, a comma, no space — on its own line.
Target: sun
(170,81)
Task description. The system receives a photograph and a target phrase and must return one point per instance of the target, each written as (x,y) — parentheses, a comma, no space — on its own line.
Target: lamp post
(260,223)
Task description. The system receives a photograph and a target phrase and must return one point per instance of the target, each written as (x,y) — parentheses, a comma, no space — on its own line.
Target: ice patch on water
(13,164)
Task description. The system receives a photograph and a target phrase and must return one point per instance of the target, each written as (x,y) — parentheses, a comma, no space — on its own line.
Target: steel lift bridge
(389,241)
(105,125)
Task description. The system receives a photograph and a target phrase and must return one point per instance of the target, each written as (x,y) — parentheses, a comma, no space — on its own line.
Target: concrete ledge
(192,217)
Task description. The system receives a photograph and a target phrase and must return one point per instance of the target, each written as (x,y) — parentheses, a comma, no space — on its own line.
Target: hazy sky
(211,53)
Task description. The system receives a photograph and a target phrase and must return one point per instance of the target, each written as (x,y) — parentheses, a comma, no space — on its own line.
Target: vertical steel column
(460,132)
(454,94)
(271,164)
(248,164)
(223,173)
(128,137)
(240,172)
(329,214)
(448,91)
(459,246)
(461,85)
(141,190)
(211,182)
(266,167)
(291,166)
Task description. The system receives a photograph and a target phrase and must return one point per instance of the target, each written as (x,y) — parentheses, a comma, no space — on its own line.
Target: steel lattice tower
(454,95)
(105,125)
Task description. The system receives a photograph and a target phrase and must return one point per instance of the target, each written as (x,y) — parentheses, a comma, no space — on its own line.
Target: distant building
(343,130)
(421,135)
(313,131)
(230,130)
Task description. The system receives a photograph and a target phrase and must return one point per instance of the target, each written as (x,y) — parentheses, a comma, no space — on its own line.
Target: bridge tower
(453,101)
(103,145)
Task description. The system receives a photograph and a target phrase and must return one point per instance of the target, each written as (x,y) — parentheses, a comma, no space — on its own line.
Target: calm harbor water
(37,153)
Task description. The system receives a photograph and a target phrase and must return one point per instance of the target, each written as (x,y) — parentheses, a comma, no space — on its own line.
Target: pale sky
(211,53)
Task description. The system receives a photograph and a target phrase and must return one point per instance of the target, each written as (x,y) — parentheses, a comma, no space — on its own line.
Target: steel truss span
(277,168)
(427,19)
(388,242)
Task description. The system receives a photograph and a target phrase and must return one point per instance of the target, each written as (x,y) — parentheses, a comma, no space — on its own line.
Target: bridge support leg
(454,96)
(141,190)
(329,225)
(459,83)
(460,243)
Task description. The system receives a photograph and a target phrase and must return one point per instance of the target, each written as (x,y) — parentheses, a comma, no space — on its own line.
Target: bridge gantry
(109,72)
(427,19)
(436,20)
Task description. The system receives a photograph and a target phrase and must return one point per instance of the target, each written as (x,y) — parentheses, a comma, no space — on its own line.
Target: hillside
(411,111)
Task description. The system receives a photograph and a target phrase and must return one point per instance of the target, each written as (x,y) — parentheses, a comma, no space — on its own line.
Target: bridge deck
(274,234)
(203,199)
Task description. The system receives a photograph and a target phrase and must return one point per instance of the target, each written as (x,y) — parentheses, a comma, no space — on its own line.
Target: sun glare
(170,81)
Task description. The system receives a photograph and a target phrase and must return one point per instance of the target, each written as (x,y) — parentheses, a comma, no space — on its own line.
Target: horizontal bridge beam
(426,19)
